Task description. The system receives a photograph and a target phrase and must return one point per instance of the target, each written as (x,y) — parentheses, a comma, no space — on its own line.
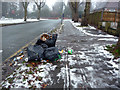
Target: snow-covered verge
(78,26)
(30,75)
(14,21)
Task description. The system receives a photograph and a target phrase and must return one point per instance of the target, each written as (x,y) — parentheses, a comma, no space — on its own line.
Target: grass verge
(111,49)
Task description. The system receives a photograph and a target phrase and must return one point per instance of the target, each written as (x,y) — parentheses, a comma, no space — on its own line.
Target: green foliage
(10,80)
(23,62)
(117,51)
(28,65)
(29,72)
(111,49)
(79,26)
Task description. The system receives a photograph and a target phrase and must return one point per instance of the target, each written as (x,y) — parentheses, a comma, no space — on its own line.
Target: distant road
(16,36)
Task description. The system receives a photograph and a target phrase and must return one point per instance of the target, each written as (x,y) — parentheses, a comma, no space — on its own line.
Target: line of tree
(20,10)
(39,4)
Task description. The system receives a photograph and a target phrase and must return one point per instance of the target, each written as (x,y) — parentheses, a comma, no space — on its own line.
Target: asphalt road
(16,36)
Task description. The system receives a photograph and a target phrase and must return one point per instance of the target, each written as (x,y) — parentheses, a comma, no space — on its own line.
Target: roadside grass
(111,49)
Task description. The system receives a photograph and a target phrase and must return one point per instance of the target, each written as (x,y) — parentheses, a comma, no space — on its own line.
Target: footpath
(89,65)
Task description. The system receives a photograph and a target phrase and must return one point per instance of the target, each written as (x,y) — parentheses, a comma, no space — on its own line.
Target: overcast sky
(50,3)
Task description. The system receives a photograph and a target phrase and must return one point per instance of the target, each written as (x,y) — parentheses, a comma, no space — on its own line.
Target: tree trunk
(86,13)
(72,16)
(76,17)
(25,15)
(38,14)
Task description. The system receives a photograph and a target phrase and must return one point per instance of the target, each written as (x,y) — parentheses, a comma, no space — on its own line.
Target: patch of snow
(90,27)
(18,75)
(1,51)
(10,21)
(62,74)
(89,68)
(108,39)
(67,75)
(75,79)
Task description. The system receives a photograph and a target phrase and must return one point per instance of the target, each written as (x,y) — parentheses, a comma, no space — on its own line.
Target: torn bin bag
(51,53)
(35,52)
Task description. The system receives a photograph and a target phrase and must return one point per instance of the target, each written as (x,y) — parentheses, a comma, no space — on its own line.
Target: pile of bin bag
(44,48)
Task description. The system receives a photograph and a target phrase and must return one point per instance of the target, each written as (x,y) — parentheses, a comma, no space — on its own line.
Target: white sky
(50,3)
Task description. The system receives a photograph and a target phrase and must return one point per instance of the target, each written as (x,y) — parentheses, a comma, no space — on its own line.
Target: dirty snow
(76,79)
(10,21)
(108,39)
(82,29)
(89,61)
(28,77)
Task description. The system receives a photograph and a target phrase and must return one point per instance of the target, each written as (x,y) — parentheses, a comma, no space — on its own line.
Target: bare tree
(25,5)
(39,4)
(86,13)
(74,8)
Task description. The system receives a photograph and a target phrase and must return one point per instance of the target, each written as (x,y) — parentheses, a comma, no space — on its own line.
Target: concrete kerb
(58,28)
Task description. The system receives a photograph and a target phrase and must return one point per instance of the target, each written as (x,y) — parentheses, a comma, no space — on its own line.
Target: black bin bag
(51,53)
(51,41)
(35,52)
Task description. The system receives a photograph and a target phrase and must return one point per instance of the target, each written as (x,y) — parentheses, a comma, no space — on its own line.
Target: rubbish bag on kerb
(51,53)
(35,52)
(52,40)
(42,39)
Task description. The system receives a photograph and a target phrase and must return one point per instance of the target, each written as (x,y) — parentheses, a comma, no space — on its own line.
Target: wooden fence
(103,16)
(107,18)
(110,16)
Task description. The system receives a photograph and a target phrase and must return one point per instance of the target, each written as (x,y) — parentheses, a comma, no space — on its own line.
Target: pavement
(89,66)
(17,36)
